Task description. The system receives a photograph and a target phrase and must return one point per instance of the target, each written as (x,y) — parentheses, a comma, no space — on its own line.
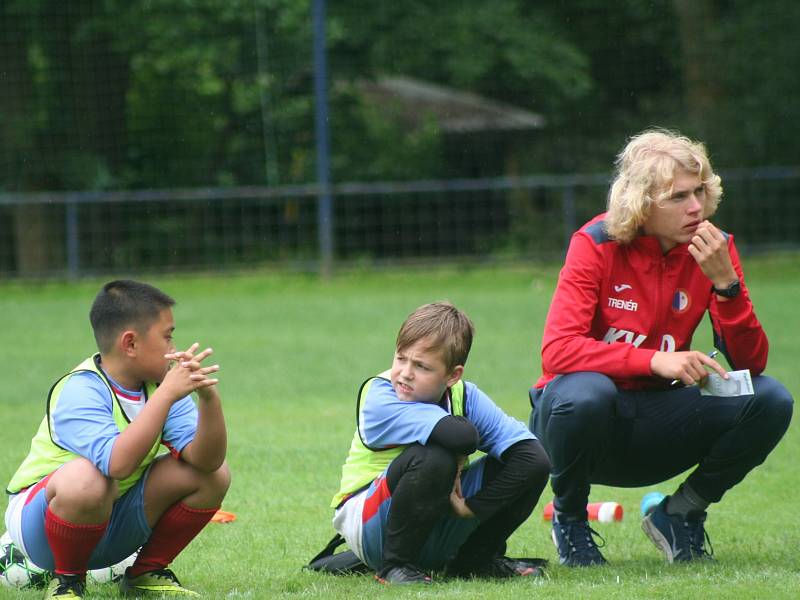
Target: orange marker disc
(222,516)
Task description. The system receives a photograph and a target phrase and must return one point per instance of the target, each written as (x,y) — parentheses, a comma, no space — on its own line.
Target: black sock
(685,501)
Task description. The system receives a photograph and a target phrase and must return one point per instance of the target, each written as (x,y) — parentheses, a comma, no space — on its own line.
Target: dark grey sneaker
(680,539)
(574,540)
(501,567)
(402,575)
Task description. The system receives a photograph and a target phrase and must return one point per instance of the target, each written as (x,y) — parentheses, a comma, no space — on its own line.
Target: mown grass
(293,351)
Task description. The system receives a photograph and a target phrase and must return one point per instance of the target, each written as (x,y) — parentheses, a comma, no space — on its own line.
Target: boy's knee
(436,461)
(83,483)
(427,463)
(221,478)
(540,470)
(215,483)
(537,464)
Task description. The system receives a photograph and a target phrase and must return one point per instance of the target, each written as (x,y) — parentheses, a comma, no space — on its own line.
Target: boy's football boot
(159,582)
(66,586)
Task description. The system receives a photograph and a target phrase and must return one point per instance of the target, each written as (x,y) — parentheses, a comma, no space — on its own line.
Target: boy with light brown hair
(408,503)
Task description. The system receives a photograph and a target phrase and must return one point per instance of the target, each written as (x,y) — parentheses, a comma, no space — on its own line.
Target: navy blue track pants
(596,433)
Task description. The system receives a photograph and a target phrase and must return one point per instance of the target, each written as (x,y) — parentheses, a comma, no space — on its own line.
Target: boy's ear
(127,342)
(455,375)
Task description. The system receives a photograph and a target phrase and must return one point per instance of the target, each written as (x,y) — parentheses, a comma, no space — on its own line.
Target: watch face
(731,291)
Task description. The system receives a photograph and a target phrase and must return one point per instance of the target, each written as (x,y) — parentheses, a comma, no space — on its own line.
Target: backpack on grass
(343,563)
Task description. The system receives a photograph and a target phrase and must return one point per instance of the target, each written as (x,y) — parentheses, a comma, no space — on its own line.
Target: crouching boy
(92,489)
(408,501)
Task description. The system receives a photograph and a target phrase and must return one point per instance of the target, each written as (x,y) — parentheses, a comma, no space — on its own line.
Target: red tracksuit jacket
(615,305)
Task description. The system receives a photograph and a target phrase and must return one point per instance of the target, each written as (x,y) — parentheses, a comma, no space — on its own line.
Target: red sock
(71,544)
(175,529)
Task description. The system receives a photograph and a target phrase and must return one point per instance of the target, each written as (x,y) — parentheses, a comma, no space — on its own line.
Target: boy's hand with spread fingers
(188,374)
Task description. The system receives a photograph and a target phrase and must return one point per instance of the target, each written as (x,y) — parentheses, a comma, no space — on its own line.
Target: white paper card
(739,383)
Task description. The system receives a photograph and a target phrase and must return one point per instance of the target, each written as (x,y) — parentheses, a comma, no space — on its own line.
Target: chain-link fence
(194,134)
(502,219)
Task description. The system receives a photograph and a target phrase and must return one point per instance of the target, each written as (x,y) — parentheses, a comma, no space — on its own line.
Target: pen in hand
(711,354)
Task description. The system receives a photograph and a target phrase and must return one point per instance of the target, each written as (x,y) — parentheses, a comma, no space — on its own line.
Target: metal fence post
(72,242)
(568,212)
(325,201)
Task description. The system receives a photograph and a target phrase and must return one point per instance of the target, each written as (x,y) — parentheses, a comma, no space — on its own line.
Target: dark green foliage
(104,94)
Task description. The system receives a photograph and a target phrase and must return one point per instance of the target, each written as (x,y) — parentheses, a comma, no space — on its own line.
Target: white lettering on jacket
(667,343)
(614,335)
(623,304)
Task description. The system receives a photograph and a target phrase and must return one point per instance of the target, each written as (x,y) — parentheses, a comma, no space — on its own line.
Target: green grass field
(293,352)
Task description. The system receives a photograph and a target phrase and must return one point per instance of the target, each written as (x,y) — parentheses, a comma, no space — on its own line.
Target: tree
(699,46)
(65,118)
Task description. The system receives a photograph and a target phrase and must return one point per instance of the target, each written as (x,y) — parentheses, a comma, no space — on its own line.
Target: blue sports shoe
(680,539)
(575,543)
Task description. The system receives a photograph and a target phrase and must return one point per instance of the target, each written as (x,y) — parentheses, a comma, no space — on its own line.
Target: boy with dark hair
(407,501)
(93,489)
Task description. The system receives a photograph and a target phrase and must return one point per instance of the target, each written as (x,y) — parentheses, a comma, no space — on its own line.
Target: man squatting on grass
(92,490)
(636,282)
(407,501)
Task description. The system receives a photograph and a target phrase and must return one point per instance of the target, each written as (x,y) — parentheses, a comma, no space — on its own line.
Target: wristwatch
(729,292)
